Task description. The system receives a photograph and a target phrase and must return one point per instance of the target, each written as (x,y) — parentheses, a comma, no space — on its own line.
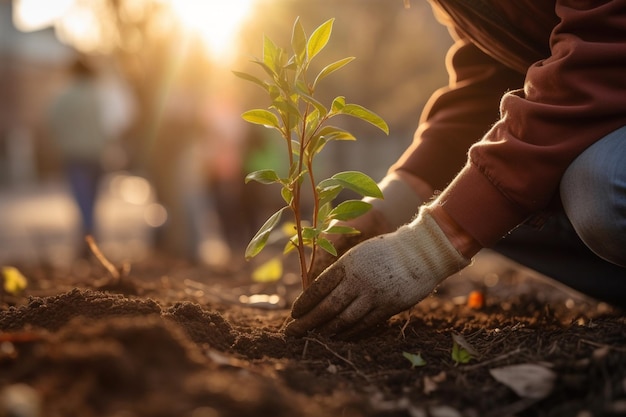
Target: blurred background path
(39,222)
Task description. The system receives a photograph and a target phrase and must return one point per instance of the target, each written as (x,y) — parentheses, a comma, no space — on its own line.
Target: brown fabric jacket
(533,83)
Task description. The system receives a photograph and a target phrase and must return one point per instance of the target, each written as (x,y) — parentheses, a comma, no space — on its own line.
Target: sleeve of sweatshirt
(569,101)
(458,115)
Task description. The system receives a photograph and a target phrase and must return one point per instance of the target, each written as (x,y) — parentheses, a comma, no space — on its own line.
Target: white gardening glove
(377,279)
(398,207)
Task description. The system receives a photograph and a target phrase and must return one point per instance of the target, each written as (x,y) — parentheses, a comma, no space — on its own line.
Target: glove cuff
(432,256)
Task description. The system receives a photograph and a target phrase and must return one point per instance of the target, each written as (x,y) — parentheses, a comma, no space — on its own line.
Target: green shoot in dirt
(302,122)
(462,351)
(415,359)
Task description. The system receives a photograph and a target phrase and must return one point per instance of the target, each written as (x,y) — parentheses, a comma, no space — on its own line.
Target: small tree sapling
(302,122)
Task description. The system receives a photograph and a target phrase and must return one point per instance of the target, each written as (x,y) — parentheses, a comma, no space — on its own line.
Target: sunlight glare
(31,15)
(216,21)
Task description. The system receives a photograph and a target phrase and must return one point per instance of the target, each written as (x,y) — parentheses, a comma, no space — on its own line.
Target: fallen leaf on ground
(431,383)
(14,281)
(526,380)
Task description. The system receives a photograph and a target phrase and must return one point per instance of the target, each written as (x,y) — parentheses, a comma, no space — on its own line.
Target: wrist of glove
(377,279)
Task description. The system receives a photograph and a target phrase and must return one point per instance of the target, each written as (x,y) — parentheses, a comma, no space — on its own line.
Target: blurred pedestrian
(77,129)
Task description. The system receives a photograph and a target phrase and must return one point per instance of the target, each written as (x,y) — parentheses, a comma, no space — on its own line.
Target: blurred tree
(400,61)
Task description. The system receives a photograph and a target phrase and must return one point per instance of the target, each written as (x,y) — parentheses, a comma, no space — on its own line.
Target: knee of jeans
(594,199)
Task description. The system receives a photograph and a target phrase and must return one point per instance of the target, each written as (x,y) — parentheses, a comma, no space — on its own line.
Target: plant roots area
(172,339)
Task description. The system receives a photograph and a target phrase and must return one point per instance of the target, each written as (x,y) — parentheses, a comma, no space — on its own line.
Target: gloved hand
(377,279)
(369,225)
(398,207)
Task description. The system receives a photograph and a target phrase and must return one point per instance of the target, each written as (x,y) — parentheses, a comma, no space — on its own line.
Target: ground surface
(183,341)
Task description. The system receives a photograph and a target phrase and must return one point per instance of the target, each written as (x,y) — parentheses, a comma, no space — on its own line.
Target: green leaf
(327,245)
(298,42)
(291,245)
(271,55)
(338,104)
(327,191)
(329,69)
(415,359)
(266,68)
(369,116)
(317,104)
(292,120)
(261,117)
(359,183)
(325,135)
(291,64)
(349,209)
(260,239)
(341,230)
(336,133)
(309,233)
(322,213)
(460,354)
(312,124)
(270,271)
(273,91)
(289,113)
(287,195)
(264,176)
(319,38)
(253,79)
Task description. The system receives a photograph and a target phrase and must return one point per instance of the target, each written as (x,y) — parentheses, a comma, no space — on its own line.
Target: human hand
(377,279)
(369,225)
(402,199)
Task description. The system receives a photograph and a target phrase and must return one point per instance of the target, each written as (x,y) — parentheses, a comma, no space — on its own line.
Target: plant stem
(297,208)
(315,211)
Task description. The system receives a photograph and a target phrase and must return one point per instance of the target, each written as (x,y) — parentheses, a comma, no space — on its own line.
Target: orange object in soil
(476,299)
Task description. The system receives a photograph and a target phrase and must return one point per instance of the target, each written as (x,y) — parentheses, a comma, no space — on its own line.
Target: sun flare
(216,21)
(30,15)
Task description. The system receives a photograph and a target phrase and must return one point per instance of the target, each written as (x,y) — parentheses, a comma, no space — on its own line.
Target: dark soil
(176,340)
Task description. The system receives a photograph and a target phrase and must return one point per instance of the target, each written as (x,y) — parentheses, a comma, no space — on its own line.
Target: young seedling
(462,351)
(415,359)
(302,122)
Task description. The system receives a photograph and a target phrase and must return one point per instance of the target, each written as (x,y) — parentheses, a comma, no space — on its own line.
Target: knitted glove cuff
(426,249)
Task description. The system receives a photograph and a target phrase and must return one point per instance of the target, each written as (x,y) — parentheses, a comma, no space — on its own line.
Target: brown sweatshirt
(533,83)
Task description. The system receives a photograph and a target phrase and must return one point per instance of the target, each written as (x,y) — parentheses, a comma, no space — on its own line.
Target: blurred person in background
(530,132)
(77,129)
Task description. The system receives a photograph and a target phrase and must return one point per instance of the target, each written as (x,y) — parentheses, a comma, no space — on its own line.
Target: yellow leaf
(288,228)
(270,271)
(14,281)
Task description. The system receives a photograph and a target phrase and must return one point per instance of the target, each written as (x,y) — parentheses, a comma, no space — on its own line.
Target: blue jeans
(593,192)
(84,179)
(583,247)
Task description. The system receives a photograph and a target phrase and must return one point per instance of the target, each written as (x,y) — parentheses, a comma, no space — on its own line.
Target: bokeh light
(216,22)
(30,15)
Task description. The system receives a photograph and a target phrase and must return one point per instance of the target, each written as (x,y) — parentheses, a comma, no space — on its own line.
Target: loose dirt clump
(68,348)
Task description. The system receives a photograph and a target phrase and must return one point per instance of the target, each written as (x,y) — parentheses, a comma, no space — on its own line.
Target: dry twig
(346,360)
(93,246)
